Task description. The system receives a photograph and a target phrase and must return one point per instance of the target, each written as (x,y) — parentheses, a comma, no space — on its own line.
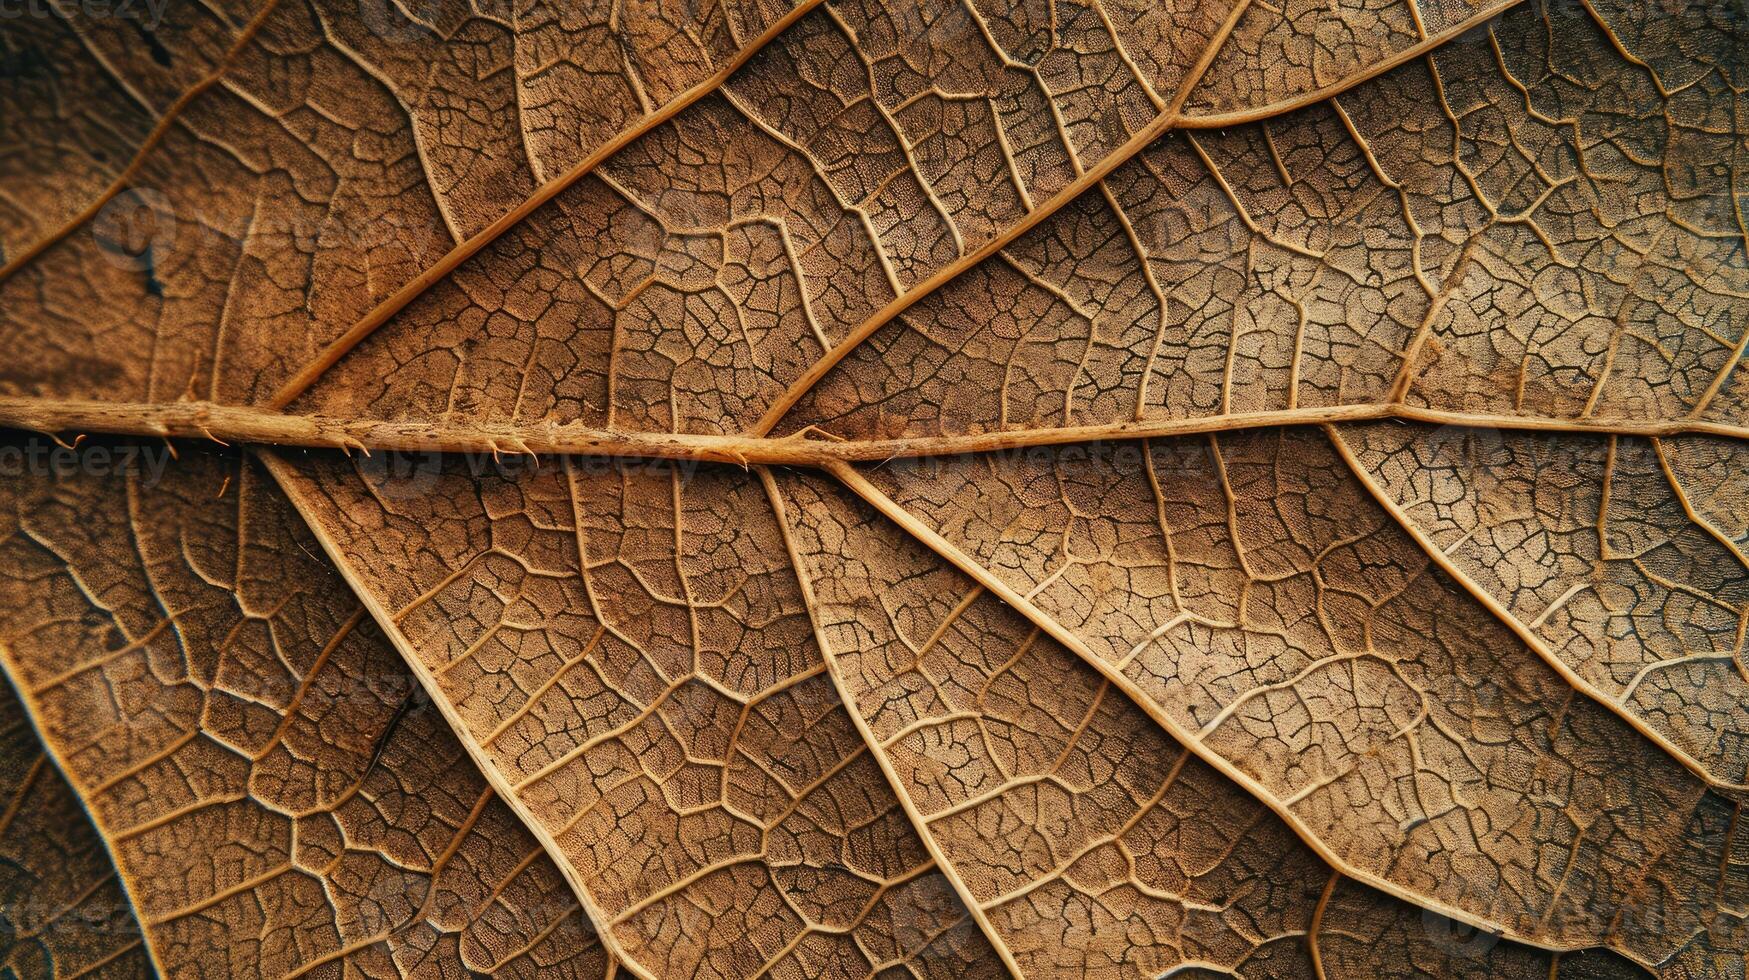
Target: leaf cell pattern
(641,676)
(278,797)
(314,158)
(1091,840)
(695,275)
(1252,591)
(1595,546)
(1512,225)
(1076,648)
(64,910)
(1081,836)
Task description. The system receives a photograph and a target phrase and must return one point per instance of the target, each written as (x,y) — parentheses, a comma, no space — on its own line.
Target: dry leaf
(277,793)
(65,913)
(1215,487)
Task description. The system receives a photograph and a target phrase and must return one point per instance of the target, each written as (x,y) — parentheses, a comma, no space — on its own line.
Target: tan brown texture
(1596,547)
(854,160)
(747,250)
(83,93)
(1252,592)
(629,649)
(1249,697)
(1361,933)
(278,796)
(1522,223)
(1002,731)
(63,911)
(1090,842)
(1533,220)
(333,152)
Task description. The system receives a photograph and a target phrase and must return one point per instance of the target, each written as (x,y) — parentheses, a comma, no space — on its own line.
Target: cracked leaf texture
(1262,493)
(64,908)
(278,796)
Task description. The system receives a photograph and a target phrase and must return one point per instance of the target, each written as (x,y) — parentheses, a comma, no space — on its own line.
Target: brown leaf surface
(63,911)
(1020,692)
(81,95)
(323,156)
(765,233)
(629,649)
(716,264)
(1610,554)
(930,230)
(1520,224)
(1086,838)
(1252,592)
(278,796)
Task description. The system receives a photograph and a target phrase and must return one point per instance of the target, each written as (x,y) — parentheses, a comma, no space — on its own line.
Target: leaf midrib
(271,425)
(147,420)
(230,424)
